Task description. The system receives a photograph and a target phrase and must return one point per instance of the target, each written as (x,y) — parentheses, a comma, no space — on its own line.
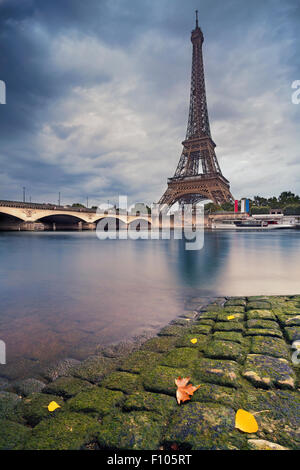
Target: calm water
(63,293)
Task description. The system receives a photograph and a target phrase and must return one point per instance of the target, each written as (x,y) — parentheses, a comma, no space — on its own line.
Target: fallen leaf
(194,340)
(53,406)
(230,317)
(245,421)
(184,391)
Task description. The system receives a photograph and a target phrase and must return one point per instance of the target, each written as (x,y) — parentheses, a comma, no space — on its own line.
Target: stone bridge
(32,216)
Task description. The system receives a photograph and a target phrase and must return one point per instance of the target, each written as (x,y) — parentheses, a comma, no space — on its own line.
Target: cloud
(97,96)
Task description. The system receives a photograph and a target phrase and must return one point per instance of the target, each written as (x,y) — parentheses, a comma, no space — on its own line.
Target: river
(64,293)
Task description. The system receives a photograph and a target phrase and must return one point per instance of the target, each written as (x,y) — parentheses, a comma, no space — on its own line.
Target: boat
(251,224)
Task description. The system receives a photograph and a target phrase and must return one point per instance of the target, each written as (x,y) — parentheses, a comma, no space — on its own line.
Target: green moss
(123,381)
(180,357)
(204,426)
(289,320)
(267,371)
(171,330)
(185,341)
(98,401)
(148,401)
(67,431)
(265,324)
(34,408)
(199,329)
(236,302)
(224,350)
(8,404)
(137,361)
(219,372)
(161,379)
(208,315)
(261,314)
(258,305)
(160,345)
(229,326)
(13,435)
(232,310)
(134,430)
(218,394)
(94,368)
(67,387)
(292,333)
(228,336)
(204,321)
(224,317)
(269,346)
(263,332)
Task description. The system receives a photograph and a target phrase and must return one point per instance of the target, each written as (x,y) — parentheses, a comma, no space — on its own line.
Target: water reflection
(64,293)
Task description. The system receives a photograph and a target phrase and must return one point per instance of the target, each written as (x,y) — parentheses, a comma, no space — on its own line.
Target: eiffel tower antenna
(198,175)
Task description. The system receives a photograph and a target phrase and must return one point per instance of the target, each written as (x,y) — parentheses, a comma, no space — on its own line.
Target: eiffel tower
(198,175)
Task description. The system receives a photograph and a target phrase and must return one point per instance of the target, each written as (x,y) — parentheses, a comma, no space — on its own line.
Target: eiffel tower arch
(198,175)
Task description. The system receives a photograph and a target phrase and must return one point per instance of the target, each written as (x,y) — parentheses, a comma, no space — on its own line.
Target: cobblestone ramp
(242,359)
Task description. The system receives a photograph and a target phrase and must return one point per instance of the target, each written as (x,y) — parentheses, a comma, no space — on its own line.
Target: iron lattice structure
(198,175)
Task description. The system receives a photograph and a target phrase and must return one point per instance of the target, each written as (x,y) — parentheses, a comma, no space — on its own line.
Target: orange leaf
(184,391)
(245,421)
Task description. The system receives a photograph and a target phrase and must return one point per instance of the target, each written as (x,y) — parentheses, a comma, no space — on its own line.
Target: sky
(97,95)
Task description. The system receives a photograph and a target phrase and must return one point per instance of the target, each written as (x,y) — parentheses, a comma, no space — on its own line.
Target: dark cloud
(97,94)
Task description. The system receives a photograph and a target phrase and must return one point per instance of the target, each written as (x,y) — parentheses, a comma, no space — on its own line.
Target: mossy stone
(28,386)
(149,401)
(66,431)
(269,346)
(264,324)
(34,408)
(185,341)
(139,360)
(161,379)
(229,326)
(224,317)
(289,320)
(233,310)
(200,329)
(228,336)
(204,321)
(263,332)
(267,371)
(98,401)
(160,345)
(216,393)
(67,386)
(224,350)
(204,426)
(8,404)
(208,315)
(261,314)
(236,302)
(292,333)
(13,435)
(219,372)
(122,381)
(180,357)
(94,368)
(136,430)
(171,330)
(258,305)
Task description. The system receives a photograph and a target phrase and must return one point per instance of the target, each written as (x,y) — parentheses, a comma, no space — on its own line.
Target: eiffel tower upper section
(198,174)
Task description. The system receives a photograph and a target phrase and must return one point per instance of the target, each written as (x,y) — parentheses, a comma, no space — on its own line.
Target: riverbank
(123,397)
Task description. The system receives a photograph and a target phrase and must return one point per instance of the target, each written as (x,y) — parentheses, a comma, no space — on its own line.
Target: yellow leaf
(230,317)
(245,421)
(53,406)
(194,340)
